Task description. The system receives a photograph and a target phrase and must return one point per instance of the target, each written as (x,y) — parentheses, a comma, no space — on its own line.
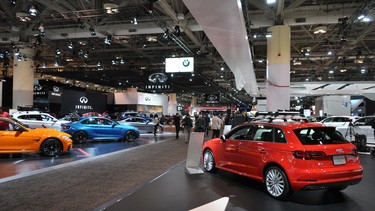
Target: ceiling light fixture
(320,30)
(13,2)
(134,21)
(108,40)
(111,8)
(177,30)
(42,32)
(33,11)
(92,31)
(71,45)
(57,51)
(23,16)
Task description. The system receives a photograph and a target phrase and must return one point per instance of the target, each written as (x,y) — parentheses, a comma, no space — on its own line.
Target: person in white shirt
(216,126)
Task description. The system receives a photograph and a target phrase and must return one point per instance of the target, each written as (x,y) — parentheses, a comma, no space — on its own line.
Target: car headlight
(67,138)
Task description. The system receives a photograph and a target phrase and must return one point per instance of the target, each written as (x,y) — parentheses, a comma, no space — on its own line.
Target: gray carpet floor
(87,184)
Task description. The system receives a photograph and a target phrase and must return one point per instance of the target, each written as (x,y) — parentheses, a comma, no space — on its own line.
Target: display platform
(177,190)
(16,165)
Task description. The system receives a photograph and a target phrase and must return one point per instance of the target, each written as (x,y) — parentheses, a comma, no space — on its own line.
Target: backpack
(188,122)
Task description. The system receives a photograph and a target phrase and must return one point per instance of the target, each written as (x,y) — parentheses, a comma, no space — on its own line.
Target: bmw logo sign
(186,63)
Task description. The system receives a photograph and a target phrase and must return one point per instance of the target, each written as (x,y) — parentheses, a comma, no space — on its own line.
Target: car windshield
(26,126)
(319,136)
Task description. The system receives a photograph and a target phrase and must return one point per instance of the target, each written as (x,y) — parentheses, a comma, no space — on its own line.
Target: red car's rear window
(319,136)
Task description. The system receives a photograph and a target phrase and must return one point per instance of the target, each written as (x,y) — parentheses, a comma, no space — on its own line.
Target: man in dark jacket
(239,118)
(177,124)
(200,124)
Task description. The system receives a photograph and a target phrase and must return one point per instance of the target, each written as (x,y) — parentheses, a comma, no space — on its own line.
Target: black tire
(209,163)
(80,137)
(277,183)
(51,147)
(130,136)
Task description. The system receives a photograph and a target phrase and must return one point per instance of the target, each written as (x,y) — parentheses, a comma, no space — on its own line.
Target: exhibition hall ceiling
(114,45)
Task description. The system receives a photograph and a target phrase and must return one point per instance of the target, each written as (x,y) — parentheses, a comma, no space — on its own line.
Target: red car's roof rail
(281,115)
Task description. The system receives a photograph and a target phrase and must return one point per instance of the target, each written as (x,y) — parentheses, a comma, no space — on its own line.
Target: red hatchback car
(286,156)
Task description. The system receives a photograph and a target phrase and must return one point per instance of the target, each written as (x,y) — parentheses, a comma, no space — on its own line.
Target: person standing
(187,122)
(239,118)
(207,121)
(3,113)
(177,124)
(155,120)
(215,126)
(200,124)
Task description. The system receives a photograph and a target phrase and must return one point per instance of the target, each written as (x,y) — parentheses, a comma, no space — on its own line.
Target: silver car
(36,119)
(143,125)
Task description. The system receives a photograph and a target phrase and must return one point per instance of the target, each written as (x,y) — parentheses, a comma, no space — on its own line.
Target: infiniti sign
(83,100)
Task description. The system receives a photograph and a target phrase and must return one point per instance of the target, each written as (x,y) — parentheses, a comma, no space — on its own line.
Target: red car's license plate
(339,160)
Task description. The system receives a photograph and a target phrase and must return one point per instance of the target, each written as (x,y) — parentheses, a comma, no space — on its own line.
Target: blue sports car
(95,128)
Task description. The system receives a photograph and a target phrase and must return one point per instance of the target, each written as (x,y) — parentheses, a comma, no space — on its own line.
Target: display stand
(194,153)
(227,128)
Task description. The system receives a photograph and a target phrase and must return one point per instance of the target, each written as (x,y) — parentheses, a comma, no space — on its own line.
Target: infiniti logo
(157,78)
(38,87)
(211,97)
(56,89)
(83,100)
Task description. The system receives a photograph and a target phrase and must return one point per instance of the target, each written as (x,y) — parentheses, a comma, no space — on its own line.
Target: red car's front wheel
(209,161)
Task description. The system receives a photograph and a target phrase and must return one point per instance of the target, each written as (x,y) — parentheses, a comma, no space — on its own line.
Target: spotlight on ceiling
(92,31)
(81,24)
(178,31)
(13,2)
(98,64)
(111,8)
(33,10)
(71,45)
(108,40)
(42,32)
(57,51)
(134,21)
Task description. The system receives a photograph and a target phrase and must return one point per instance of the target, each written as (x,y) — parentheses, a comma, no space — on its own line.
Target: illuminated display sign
(183,64)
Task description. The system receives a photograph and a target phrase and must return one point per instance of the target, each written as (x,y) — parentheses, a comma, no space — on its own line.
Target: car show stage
(177,190)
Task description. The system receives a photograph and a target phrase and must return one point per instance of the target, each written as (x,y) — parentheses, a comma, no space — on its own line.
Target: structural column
(172,103)
(23,78)
(193,105)
(278,68)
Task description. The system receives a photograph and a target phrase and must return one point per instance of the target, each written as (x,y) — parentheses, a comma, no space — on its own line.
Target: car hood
(49,131)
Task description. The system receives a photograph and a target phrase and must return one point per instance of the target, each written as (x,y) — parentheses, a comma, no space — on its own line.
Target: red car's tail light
(355,152)
(65,127)
(308,155)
